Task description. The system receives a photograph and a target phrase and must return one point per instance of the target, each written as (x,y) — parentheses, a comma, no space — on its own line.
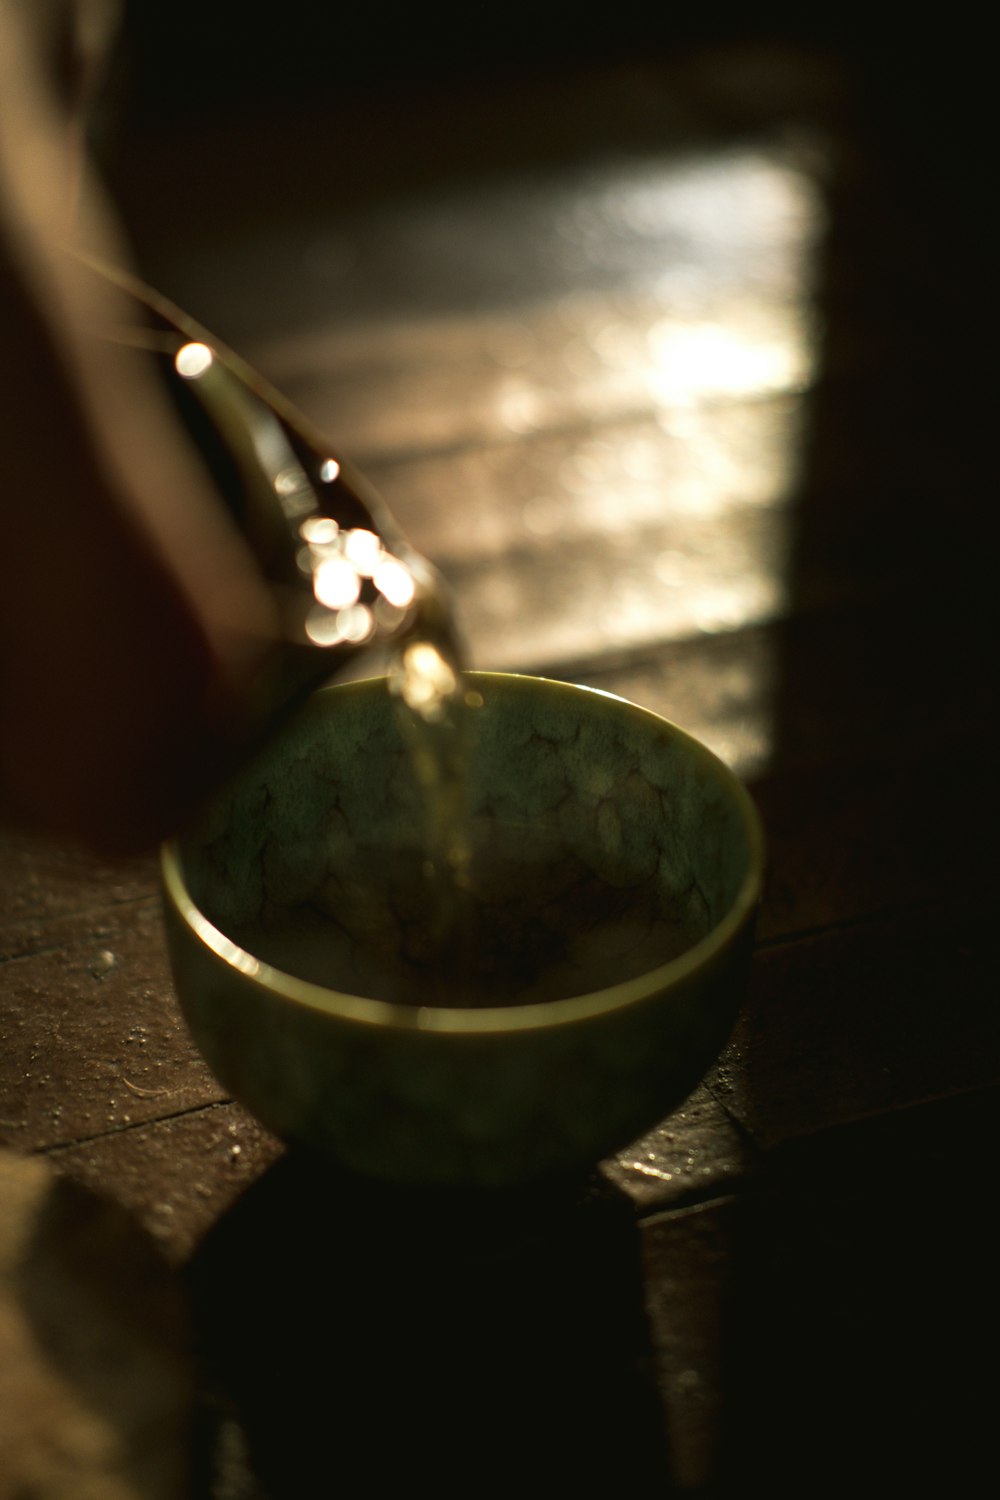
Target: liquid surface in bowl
(582,843)
(531,922)
(477,914)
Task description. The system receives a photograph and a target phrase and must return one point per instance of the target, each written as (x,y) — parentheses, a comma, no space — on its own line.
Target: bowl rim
(485,1020)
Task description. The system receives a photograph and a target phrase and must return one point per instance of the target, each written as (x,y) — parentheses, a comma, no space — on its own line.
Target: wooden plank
(557,359)
(834,1320)
(868,1019)
(699,1152)
(92,1037)
(599,480)
(874,835)
(408,212)
(558,600)
(687,1260)
(176,1176)
(43,882)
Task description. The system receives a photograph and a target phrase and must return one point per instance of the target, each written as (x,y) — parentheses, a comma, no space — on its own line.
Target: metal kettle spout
(344,579)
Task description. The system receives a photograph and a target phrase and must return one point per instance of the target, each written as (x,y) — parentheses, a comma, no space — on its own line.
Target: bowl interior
(601,843)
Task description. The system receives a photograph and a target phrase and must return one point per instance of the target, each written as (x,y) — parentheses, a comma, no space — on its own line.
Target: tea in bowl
(559,991)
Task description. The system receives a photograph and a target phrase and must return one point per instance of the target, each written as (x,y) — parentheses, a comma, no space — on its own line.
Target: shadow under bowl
(585,980)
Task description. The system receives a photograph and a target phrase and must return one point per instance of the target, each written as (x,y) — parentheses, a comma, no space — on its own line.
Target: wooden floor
(669,367)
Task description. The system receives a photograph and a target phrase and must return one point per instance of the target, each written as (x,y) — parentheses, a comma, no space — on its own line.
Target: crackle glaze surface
(553,1024)
(599,851)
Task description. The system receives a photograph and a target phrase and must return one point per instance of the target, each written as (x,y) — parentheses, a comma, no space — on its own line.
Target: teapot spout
(344,579)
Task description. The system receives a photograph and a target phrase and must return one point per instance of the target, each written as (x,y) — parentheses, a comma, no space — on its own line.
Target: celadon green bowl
(592,974)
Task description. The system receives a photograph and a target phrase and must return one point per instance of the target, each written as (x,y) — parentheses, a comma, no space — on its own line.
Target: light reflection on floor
(590,411)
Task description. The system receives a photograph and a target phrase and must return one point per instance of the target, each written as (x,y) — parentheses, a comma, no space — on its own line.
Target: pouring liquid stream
(363,586)
(434,713)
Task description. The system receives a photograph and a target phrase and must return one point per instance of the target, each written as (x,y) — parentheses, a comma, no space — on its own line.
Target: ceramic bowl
(588,975)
